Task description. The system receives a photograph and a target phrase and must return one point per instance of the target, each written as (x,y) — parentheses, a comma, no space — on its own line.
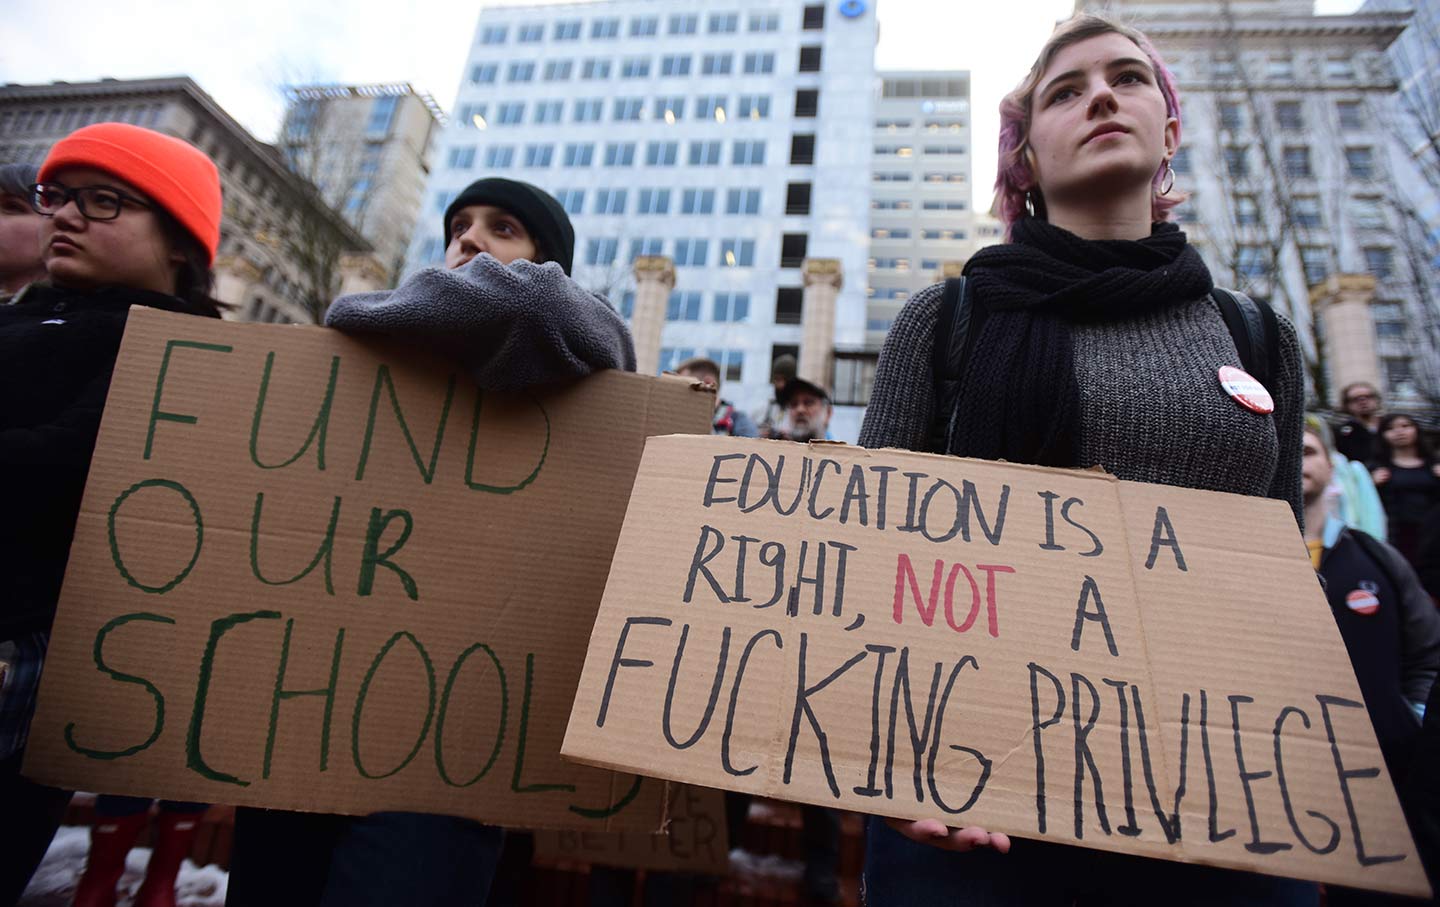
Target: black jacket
(57,351)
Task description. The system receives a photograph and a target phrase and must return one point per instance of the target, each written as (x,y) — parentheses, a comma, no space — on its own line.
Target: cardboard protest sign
(1054,654)
(317,573)
(695,839)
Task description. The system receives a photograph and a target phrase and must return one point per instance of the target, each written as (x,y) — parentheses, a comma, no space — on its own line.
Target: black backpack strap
(1254,329)
(947,358)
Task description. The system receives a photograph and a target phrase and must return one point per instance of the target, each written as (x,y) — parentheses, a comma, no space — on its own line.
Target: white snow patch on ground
(54,882)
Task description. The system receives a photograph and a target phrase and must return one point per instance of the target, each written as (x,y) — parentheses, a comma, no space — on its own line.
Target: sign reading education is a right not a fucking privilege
(1054,654)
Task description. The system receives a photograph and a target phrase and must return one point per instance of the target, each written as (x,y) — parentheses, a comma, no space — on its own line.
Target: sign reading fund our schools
(316,573)
(1050,653)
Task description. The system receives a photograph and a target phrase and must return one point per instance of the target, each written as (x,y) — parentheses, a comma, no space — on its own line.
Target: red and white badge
(1246,391)
(1362,602)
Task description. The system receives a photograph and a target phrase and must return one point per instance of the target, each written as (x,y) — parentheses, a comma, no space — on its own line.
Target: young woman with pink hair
(1092,338)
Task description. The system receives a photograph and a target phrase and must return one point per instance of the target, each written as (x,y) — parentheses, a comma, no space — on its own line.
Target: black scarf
(1019,400)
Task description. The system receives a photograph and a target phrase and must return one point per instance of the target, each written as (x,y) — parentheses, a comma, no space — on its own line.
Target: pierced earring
(1029,204)
(1167,182)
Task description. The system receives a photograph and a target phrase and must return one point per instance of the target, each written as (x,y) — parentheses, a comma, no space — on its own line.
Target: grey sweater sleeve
(510,326)
(902,400)
(1288,379)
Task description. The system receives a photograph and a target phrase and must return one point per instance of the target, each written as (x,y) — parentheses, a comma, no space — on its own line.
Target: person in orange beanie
(131,217)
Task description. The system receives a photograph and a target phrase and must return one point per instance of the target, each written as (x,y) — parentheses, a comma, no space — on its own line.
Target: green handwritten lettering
(328,692)
(115,545)
(317,429)
(98,654)
(365,691)
(156,413)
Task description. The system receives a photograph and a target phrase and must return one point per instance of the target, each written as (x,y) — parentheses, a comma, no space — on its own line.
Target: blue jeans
(899,873)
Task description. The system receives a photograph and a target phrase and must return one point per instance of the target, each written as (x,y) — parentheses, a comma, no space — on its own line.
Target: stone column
(823,280)
(361,272)
(654,279)
(234,279)
(1342,303)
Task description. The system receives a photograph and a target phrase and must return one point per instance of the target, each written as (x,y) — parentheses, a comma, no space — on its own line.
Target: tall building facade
(367,149)
(1294,191)
(284,253)
(734,139)
(921,222)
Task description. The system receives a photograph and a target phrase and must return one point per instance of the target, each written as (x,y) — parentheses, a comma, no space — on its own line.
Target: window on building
(1297,161)
(682,306)
(662,154)
(568,30)
(635,68)
(854,377)
(572,200)
(644,26)
(499,157)
(1237,161)
(627,305)
(759,64)
(742,201)
(1360,162)
(461,157)
(797,198)
(1307,211)
(789,305)
(793,247)
(670,358)
(559,70)
(601,251)
(1232,116)
(704,154)
(539,155)
(628,109)
(889,264)
(472,116)
(669,110)
(653,201)
(1399,374)
(763,22)
(548,111)
(650,246)
(1288,115)
(520,72)
(620,154)
(511,113)
(887,176)
(691,253)
(532,33)
(731,363)
(1280,68)
(1223,68)
(602,29)
(1367,212)
(943,205)
(484,74)
(494,34)
(708,107)
(810,59)
(1247,211)
(610,201)
(802,149)
(579,154)
(753,107)
(588,110)
(1316,262)
(945,234)
(1380,261)
(807,102)
(891,204)
(675,65)
(716,64)
(813,17)
(1339,67)
(737,253)
(595,69)
(748,153)
(683,24)
(1351,114)
(1251,261)
(723,23)
(732,307)
(1388,318)
(697,201)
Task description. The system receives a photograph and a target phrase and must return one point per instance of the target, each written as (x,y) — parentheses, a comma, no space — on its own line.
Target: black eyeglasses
(94,202)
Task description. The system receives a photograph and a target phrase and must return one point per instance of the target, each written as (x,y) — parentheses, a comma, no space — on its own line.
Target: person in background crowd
(1390,627)
(20,260)
(807,412)
(1351,497)
(1358,436)
(505,308)
(1427,553)
(1407,476)
(1092,339)
(770,417)
(728,419)
(128,217)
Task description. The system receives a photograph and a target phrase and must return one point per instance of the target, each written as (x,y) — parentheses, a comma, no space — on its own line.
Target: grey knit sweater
(1151,405)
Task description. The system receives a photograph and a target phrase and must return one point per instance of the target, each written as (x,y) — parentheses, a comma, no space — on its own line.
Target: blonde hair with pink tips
(1015,176)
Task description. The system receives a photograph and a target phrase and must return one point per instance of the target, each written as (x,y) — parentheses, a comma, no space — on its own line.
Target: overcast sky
(240,52)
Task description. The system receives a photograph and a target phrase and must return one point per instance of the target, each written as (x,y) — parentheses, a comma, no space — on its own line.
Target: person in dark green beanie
(503,306)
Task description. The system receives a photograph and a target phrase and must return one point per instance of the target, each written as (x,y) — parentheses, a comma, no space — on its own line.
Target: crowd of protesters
(1092,336)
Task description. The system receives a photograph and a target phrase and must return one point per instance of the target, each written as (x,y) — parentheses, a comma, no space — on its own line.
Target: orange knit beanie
(176,175)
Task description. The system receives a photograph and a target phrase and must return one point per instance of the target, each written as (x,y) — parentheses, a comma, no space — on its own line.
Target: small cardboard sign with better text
(695,839)
(1050,653)
(319,573)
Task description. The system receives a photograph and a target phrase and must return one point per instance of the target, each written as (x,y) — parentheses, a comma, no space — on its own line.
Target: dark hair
(1385,455)
(1345,391)
(17,179)
(194,281)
